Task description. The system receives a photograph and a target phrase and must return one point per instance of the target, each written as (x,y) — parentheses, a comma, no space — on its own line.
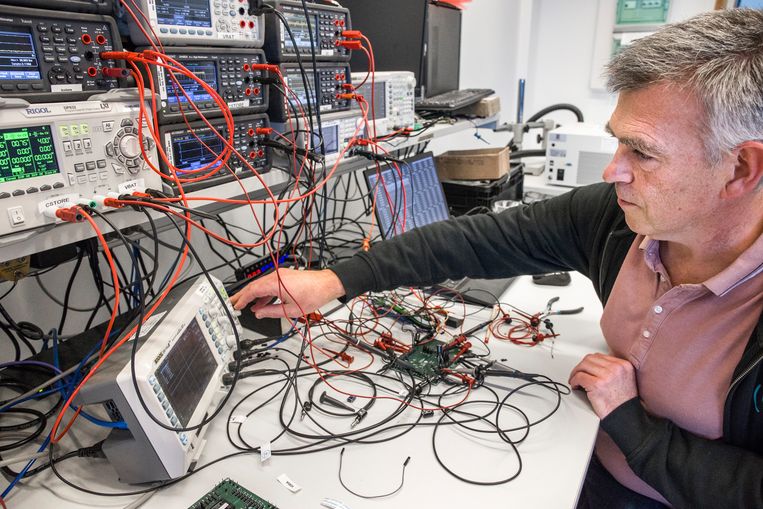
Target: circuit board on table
(425,360)
(231,495)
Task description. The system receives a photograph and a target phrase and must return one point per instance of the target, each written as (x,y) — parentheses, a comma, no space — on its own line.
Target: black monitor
(424,201)
(443,56)
(410,35)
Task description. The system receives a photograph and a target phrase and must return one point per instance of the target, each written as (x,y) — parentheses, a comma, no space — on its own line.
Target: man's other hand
(300,291)
(608,381)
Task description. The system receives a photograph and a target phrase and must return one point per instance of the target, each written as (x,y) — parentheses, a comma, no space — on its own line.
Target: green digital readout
(27,152)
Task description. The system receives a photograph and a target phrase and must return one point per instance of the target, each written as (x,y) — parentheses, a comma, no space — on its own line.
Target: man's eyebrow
(635,143)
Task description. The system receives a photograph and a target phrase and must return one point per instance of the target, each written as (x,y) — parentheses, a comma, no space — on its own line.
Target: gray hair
(719,56)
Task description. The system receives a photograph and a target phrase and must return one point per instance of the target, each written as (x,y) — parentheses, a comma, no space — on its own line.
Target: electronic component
(182,354)
(191,149)
(231,495)
(195,22)
(94,6)
(337,128)
(54,56)
(425,361)
(394,93)
(328,83)
(54,154)
(326,22)
(228,71)
(259,267)
(576,154)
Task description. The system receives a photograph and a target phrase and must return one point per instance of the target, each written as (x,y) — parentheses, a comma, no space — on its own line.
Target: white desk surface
(554,456)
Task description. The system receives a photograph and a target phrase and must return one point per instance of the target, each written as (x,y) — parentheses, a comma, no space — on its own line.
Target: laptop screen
(424,198)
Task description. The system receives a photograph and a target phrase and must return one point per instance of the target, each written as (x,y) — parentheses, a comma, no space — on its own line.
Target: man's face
(664,184)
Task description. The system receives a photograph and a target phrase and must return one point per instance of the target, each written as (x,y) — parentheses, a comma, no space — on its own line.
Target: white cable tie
(288,483)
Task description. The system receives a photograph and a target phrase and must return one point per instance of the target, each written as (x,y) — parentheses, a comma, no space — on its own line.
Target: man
(673,243)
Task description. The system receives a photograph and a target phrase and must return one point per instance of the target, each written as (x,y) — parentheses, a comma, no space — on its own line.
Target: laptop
(425,204)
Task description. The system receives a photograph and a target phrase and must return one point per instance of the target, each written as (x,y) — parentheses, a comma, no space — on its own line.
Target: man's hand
(300,291)
(608,381)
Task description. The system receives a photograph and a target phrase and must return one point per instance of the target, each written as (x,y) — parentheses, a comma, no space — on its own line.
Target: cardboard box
(479,164)
(487,107)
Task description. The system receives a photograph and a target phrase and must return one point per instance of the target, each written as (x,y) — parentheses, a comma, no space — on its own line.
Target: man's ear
(748,170)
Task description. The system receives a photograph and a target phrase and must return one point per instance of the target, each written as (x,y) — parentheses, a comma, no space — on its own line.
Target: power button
(16,215)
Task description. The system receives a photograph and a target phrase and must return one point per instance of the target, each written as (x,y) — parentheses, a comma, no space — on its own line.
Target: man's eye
(641,155)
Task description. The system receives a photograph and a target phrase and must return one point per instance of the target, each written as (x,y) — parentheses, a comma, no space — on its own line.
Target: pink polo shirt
(684,342)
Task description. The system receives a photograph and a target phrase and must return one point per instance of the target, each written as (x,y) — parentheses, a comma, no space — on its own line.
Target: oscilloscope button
(4,195)
(46,187)
(18,192)
(125,122)
(58,185)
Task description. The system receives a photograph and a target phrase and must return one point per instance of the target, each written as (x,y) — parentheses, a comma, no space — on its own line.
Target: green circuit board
(231,495)
(423,361)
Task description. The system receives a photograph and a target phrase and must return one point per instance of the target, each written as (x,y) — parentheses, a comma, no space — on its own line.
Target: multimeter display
(204,70)
(194,152)
(27,152)
(191,13)
(298,25)
(18,60)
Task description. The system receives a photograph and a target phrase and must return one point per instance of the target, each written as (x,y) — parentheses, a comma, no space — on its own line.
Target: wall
(550,43)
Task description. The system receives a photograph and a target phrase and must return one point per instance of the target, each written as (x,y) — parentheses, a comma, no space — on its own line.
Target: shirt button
(646,333)
(658,309)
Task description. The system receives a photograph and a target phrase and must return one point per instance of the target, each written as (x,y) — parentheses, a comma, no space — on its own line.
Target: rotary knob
(129,146)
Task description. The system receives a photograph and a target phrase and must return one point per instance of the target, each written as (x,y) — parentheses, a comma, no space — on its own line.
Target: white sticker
(66,88)
(132,185)
(265,452)
(238,104)
(288,483)
(152,321)
(327,52)
(237,419)
(65,200)
(147,326)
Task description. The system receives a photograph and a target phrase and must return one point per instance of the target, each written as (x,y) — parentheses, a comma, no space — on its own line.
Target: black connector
(318,158)
(246,363)
(266,80)
(374,157)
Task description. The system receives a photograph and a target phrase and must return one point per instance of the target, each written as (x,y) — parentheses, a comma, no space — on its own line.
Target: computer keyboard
(453,100)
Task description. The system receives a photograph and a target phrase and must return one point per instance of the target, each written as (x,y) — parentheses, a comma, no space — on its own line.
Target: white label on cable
(333,504)
(132,185)
(288,483)
(265,452)
(237,419)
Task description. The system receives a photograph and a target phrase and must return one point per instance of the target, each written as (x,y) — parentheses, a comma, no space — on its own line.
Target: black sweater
(585,230)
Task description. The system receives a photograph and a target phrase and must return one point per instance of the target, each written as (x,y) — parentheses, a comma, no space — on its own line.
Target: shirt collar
(745,267)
